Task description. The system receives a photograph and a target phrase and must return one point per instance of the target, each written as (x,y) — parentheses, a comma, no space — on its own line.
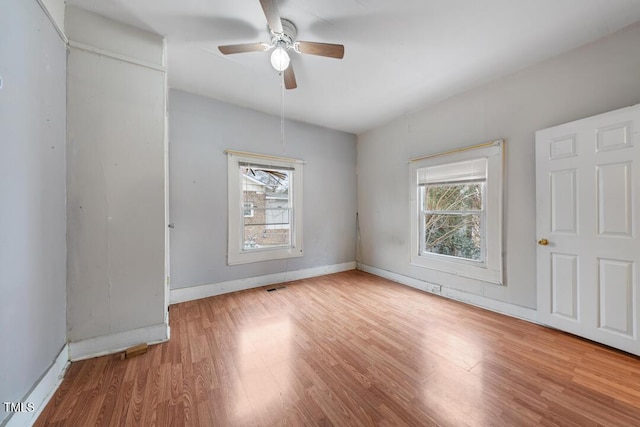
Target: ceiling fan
(283,38)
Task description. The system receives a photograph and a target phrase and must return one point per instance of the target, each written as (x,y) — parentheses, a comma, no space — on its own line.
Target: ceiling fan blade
(321,49)
(273,17)
(242,48)
(290,78)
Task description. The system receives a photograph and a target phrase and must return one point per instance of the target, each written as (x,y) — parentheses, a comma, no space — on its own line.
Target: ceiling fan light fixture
(280,59)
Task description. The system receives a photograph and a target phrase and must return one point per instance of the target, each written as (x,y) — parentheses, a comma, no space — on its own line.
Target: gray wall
(200,129)
(116,178)
(32,190)
(593,79)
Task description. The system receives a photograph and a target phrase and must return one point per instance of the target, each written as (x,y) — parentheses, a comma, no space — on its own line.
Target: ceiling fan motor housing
(287,36)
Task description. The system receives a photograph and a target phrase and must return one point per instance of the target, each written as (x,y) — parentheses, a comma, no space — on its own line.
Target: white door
(588,206)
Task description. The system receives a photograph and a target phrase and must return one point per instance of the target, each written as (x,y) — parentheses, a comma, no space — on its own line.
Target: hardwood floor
(351,349)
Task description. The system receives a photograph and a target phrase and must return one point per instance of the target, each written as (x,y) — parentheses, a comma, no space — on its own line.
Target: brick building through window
(266,208)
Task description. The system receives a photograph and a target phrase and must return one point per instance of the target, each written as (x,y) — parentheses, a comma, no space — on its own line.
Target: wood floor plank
(351,349)
(136,406)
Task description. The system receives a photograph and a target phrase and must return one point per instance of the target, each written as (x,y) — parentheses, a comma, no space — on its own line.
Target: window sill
(463,268)
(247,257)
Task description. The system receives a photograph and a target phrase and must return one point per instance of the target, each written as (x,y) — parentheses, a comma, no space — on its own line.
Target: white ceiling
(399,55)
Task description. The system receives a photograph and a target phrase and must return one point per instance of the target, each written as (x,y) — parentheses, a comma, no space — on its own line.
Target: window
(265,207)
(248,210)
(452,216)
(268,225)
(456,222)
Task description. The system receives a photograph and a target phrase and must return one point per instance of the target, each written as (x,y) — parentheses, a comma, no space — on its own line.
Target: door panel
(615,282)
(564,196)
(563,147)
(614,199)
(564,285)
(615,136)
(587,217)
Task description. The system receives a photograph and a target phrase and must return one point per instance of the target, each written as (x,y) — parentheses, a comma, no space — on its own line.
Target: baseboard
(108,344)
(44,389)
(502,307)
(203,291)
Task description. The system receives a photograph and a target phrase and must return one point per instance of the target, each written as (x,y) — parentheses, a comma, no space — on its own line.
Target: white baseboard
(108,344)
(43,391)
(502,307)
(203,291)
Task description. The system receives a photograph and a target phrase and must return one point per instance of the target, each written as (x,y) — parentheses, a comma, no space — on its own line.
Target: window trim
(492,269)
(235,245)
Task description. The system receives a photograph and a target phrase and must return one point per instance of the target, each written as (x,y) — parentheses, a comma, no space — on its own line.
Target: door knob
(543,242)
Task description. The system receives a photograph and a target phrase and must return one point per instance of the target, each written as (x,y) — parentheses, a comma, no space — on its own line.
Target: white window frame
(491,269)
(236,253)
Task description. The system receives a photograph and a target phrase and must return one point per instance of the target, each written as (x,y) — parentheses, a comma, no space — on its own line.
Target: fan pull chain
(282,112)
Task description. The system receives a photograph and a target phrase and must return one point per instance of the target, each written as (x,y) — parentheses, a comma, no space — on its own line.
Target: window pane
(267,191)
(454,197)
(273,183)
(264,237)
(454,235)
(277,218)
